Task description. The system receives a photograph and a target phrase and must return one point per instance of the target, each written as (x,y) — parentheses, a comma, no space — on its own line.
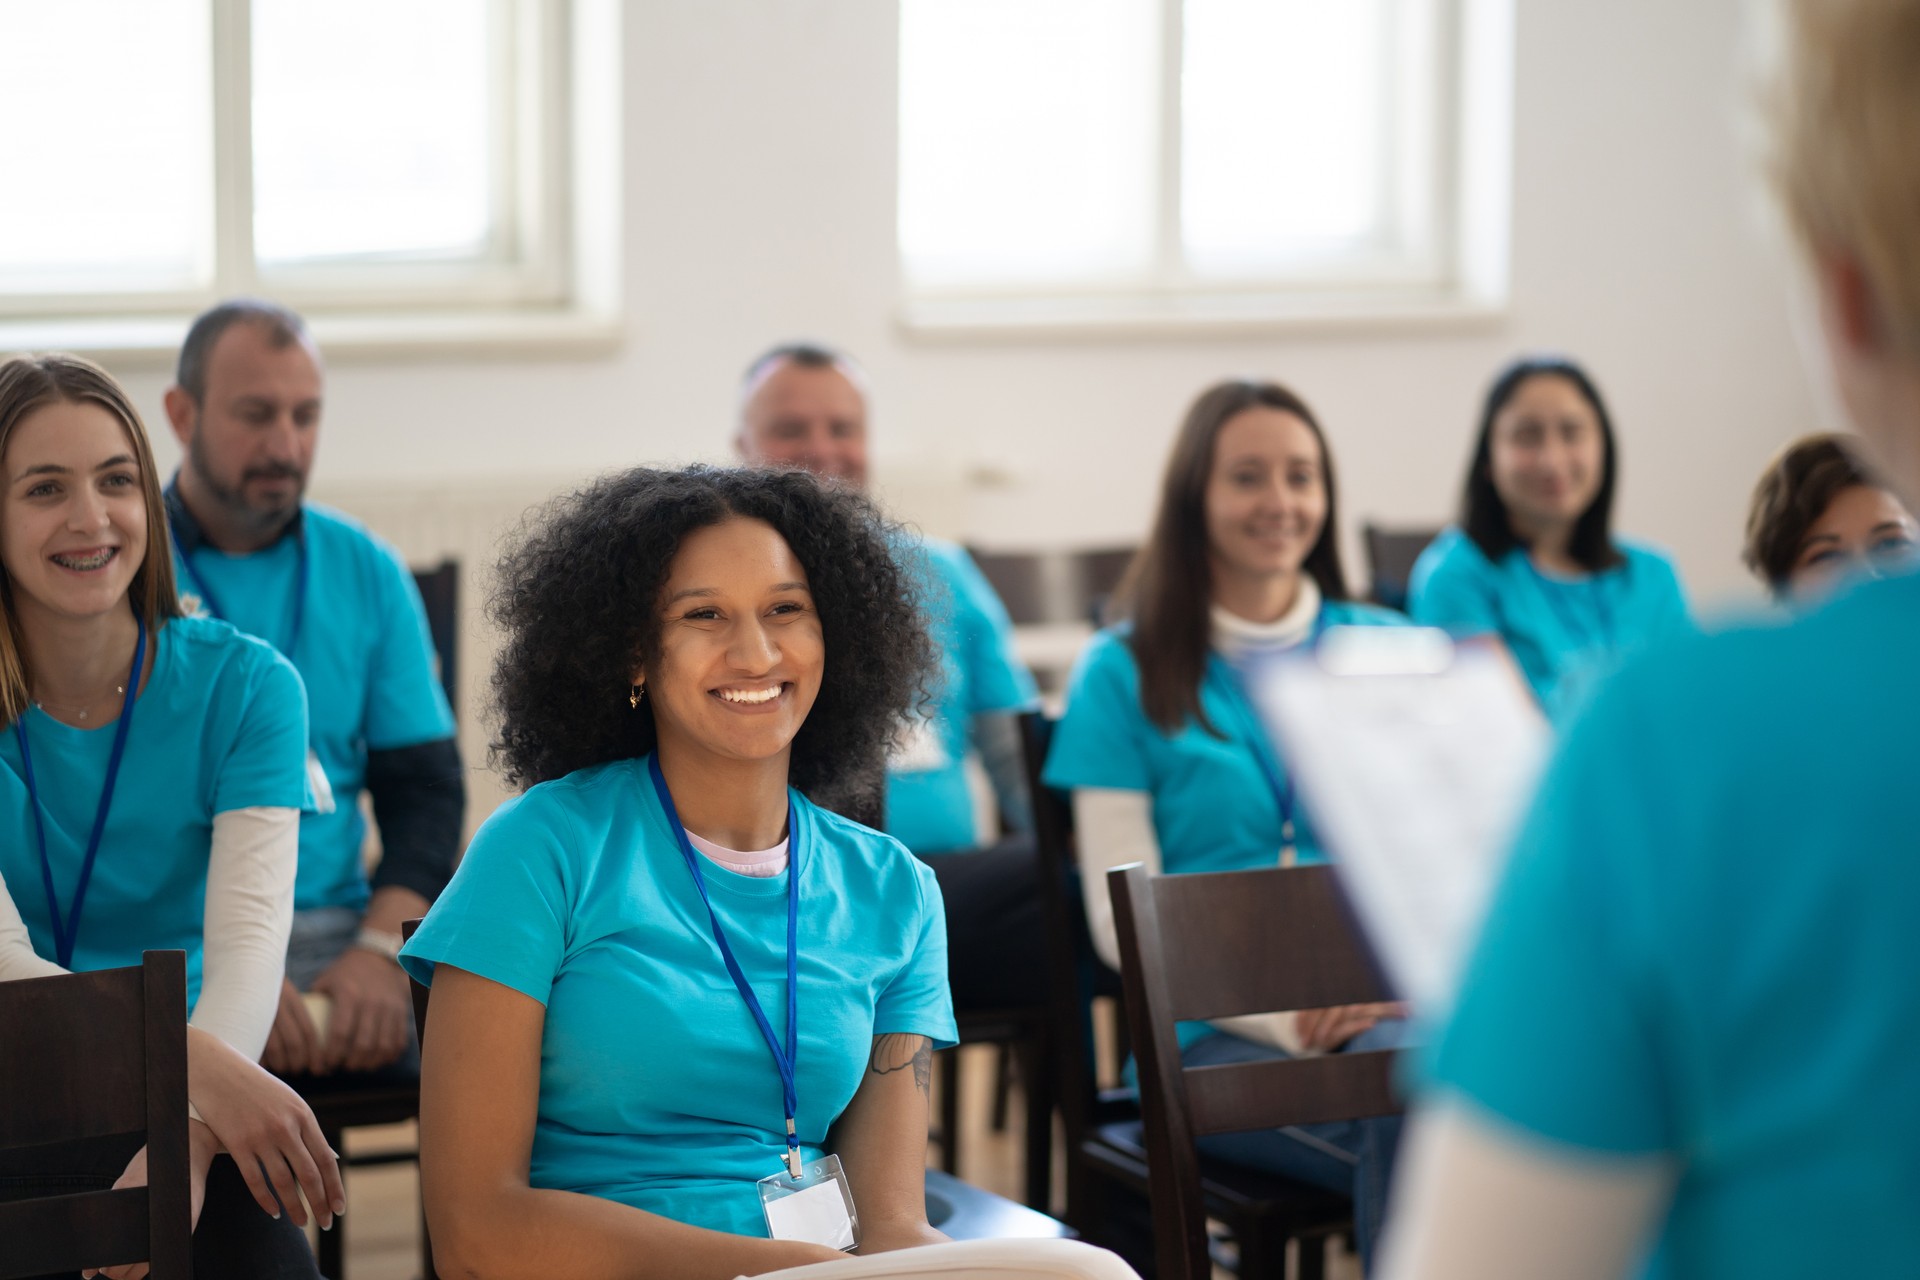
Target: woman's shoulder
(1107,664)
(858,848)
(209,653)
(1639,554)
(593,795)
(1452,551)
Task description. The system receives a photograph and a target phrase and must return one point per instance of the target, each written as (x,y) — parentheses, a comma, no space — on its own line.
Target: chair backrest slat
(95,1055)
(1251,942)
(41,1235)
(1267,1095)
(80,1068)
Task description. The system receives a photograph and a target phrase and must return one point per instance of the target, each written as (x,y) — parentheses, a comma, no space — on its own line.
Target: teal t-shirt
(929,808)
(1214,808)
(1566,633)
(656,1088)
(221,725)
(365,654)
(1705,944)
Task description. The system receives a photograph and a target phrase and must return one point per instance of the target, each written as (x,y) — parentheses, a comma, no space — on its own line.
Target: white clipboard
(1416,758)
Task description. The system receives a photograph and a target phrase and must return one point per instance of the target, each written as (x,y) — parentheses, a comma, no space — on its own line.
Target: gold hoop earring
(639,692)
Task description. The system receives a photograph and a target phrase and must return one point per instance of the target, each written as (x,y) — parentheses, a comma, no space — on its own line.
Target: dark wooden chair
(1391,554)
(96,1055)
(1090,1119)
(440,593)
(1222,944)
(364,1105)
(962,1210)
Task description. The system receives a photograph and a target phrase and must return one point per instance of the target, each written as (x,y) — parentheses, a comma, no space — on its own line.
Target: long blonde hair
(28,383)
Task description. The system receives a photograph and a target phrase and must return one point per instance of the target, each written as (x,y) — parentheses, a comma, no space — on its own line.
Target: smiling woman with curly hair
(670,970)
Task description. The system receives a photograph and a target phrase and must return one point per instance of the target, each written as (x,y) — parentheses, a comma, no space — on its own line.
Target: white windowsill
(155,340)
(1195,315)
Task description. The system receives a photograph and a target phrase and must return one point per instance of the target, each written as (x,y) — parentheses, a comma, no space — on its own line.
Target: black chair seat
(1231,1190)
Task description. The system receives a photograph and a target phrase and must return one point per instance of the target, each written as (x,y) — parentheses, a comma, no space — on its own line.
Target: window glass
(1028,133)
(108,116)
(374,127)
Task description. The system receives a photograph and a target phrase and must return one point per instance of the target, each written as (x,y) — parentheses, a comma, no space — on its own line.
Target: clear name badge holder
(816,1206)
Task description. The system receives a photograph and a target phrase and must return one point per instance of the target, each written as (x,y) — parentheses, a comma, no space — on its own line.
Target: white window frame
(549,280)
(1458,279)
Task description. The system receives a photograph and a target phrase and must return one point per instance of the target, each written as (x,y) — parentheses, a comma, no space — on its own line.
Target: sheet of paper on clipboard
(1415,757)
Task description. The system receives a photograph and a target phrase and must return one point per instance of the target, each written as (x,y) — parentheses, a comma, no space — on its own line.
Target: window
(355,158)
(1090,160)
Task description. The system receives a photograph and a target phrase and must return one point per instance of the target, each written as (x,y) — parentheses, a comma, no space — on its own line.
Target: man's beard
(263,517)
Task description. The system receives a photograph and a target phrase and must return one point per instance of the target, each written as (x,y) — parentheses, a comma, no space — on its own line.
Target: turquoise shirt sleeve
(266,762)
(1665,597)
(405,702)
(1098,742)
(918,1000)
(505,914)
(1559,1023)
(996,678)
(1453,587)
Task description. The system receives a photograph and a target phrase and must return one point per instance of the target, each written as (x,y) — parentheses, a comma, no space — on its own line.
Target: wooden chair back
(1219,945)
(440,594)
(1391,554)
(97,1055)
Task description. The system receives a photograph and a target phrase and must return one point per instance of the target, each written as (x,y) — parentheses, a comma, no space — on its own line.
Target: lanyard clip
(793,1152)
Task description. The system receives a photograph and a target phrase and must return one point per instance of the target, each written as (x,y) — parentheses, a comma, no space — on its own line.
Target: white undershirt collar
(1235,638)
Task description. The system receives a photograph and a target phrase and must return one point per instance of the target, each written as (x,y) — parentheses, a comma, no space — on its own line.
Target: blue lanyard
(299,595)
(1242,704)
(1576,626)
(783,1058)
(67,927)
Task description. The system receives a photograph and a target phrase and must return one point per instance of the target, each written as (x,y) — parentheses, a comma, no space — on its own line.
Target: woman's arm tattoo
(895,1052)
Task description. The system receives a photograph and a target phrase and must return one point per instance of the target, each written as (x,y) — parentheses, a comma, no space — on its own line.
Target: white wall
(760,153)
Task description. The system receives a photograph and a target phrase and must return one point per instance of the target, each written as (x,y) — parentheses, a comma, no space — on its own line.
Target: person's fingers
(284,1183)
(342,1028)
(369,1034)
(393,1042)
(1310,1026)
(302,1038)
(256,1180)
(328,1160)
(305,1172)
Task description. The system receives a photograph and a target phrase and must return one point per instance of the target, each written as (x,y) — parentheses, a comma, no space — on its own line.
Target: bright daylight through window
(347,158)
(1090,160)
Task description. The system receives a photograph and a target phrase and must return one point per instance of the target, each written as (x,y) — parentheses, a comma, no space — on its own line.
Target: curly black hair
(578,595)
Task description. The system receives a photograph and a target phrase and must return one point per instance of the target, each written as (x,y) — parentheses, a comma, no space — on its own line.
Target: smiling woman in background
(1821,514)
(1166,758)
(152,773)
(1534,559)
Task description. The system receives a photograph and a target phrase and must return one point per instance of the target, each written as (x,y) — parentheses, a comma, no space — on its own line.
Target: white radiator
(466,524)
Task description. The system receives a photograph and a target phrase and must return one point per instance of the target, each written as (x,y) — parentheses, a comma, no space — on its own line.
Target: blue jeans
(1351,1156)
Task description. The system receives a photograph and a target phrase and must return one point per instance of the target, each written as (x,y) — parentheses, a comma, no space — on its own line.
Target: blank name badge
(816,1207)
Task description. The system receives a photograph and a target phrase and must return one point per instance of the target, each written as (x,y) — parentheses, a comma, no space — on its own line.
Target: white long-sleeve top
(249,911)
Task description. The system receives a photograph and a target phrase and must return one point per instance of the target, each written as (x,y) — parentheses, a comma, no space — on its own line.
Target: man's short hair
(808,355)
(281,326)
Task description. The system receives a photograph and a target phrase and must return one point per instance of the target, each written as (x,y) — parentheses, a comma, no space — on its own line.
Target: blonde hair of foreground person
(1477,1196)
